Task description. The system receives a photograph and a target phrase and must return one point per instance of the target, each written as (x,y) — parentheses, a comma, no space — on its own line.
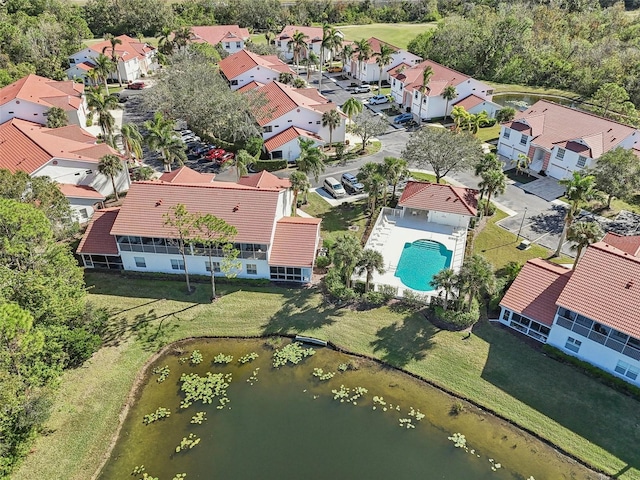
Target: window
(507,132)
(276,155)
(238,45)
(289,121)
(267,129)
(489,92)
(234,82)
(416,95)
(523,139)
(505,315)
(394,82)
(318,122)
(286,273)
(140,262)
(279,43)
(177,264)
(582,161)
(252,269)
(573,344)
(226,45)
(560,154)
(72,60)
(216,266)
(627,370)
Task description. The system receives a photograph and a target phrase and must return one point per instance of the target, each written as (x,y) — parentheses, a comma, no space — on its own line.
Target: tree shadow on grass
(299,313)
(404,341)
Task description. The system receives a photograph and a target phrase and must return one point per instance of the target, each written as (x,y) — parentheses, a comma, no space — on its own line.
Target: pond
(354,419)
(522,101)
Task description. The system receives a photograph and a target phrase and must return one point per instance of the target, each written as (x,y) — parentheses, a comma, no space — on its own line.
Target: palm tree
(346,255)
(181,37)
(447,280)
(311,160)
(475,278)
(383,58)
(477,120)
(165,44)
(243,160)
(522,164)
(312,59)
(173,151)
(580,188)
(101,104)
(427,73)
(345,54)
(363,49)
(298,45)
(161,138)
(94,77)
(460,116)
(285,77)
(371,261)
(332,120)
(583,234)
(299,184)
(110,165)
(104,67)
(114,55)
(375,184)
(395,169)
(493,181)
(352,107)
(269,36)
(131,140)
(489,162)
(331,41)
(449,93)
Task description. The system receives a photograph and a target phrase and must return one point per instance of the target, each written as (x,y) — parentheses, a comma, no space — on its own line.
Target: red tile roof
(282,98)
(605,287)
(129,48)
(551,124)
(535,290)
(97,239)
(295,242)
(186,175)
(252,85)
(214,34)
(28,146)
(243,61)
(629,244)
(440,198)
(375,43)
(44,91)
(313,33)
(80,191)
(265,179)
(287,135)
(469,102)
(250,210)
(442,76)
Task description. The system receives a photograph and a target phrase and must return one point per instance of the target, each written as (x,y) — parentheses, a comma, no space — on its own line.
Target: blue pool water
(420,261)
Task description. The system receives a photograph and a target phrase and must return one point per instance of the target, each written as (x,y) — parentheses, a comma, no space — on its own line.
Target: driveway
(334,202)
(545,187)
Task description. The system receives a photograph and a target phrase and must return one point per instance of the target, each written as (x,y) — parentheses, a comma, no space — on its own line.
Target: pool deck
(392,231)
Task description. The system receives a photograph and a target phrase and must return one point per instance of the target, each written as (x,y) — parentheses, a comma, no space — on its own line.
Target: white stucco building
(244,67)
(369,72)
(135,59)
(313,39)
(406,85)
(272,244)
(232,38)
(560,140)
(30,97)
(67,155)
(590,312)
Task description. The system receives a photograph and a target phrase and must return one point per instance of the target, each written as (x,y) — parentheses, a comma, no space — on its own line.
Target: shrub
(269,165)
(488,123)
(338,290)
(456,319)
(506,114)
(388,291)
(414,301)
(323,261)
(482,204)
(375,298)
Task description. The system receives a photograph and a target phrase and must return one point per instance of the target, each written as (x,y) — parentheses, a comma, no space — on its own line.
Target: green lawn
(514,88)
(492,368)
(425,177)
(397,34)
(336,221)
(488,133)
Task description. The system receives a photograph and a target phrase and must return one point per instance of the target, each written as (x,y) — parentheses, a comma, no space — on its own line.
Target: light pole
(524,215)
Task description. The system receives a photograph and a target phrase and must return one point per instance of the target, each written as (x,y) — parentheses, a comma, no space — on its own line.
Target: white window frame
(572,345)
(140,262)
(583,159)
(177,263)
(267,129)
(627,370)
(507,133)
(216,266)
(523,139)
(560,154)
(252,269)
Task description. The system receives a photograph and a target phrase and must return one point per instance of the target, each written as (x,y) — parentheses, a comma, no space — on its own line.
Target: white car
(364,88)
(378,100)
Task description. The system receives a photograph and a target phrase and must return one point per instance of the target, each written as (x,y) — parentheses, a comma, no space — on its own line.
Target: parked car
(378,100)
(335,69)
(215,154)
(403,118)
(333,187)
(227,157)
(351,183)
(364,88)
(121,98)
(136,85)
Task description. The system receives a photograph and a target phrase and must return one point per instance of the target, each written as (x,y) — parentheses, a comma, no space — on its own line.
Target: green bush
(591,370)
(390,292)
(414,301)
(488,123)
(336,289)
(375,299)
(269,165)
(482,204)
(255,282)
(323,261)
(456,319)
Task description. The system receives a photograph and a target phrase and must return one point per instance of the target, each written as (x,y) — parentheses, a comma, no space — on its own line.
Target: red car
(215,154)
(136,86)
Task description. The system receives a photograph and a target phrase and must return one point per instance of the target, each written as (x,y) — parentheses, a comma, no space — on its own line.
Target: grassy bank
(397,34)
(515,88)
(492,368)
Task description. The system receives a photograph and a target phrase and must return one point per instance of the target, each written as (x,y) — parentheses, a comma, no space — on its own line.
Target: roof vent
(158,203)
(236,208)
(611,129)
(629,284)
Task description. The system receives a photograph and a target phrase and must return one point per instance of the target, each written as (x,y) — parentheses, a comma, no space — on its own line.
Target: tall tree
(299,184)
(395,170)
(580,189)
(216,236)
(371,175)
(493,182)
(298,45)
(476,278)
(617,174)
(104,67)
(488,163)
(311,160)
(160,137)
(442,150)
(131,140)
(461,118)
(332,120)
(312,60)
(346,255)
(522,162)
(352,107)
(447,281)
(114,54)
(364,52)
(243,160)
(56,118)
(383,59)
(331,40)
(427,73)
(370,261)
(101,104)
(449,93)
(476,121)
(610,96)
(165,43)
(110,166)
(181,37)
(346,52)
(182,230)
(583,234)
(367,126)
(19,341)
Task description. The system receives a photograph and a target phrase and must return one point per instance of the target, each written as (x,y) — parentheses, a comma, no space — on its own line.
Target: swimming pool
(420,261)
